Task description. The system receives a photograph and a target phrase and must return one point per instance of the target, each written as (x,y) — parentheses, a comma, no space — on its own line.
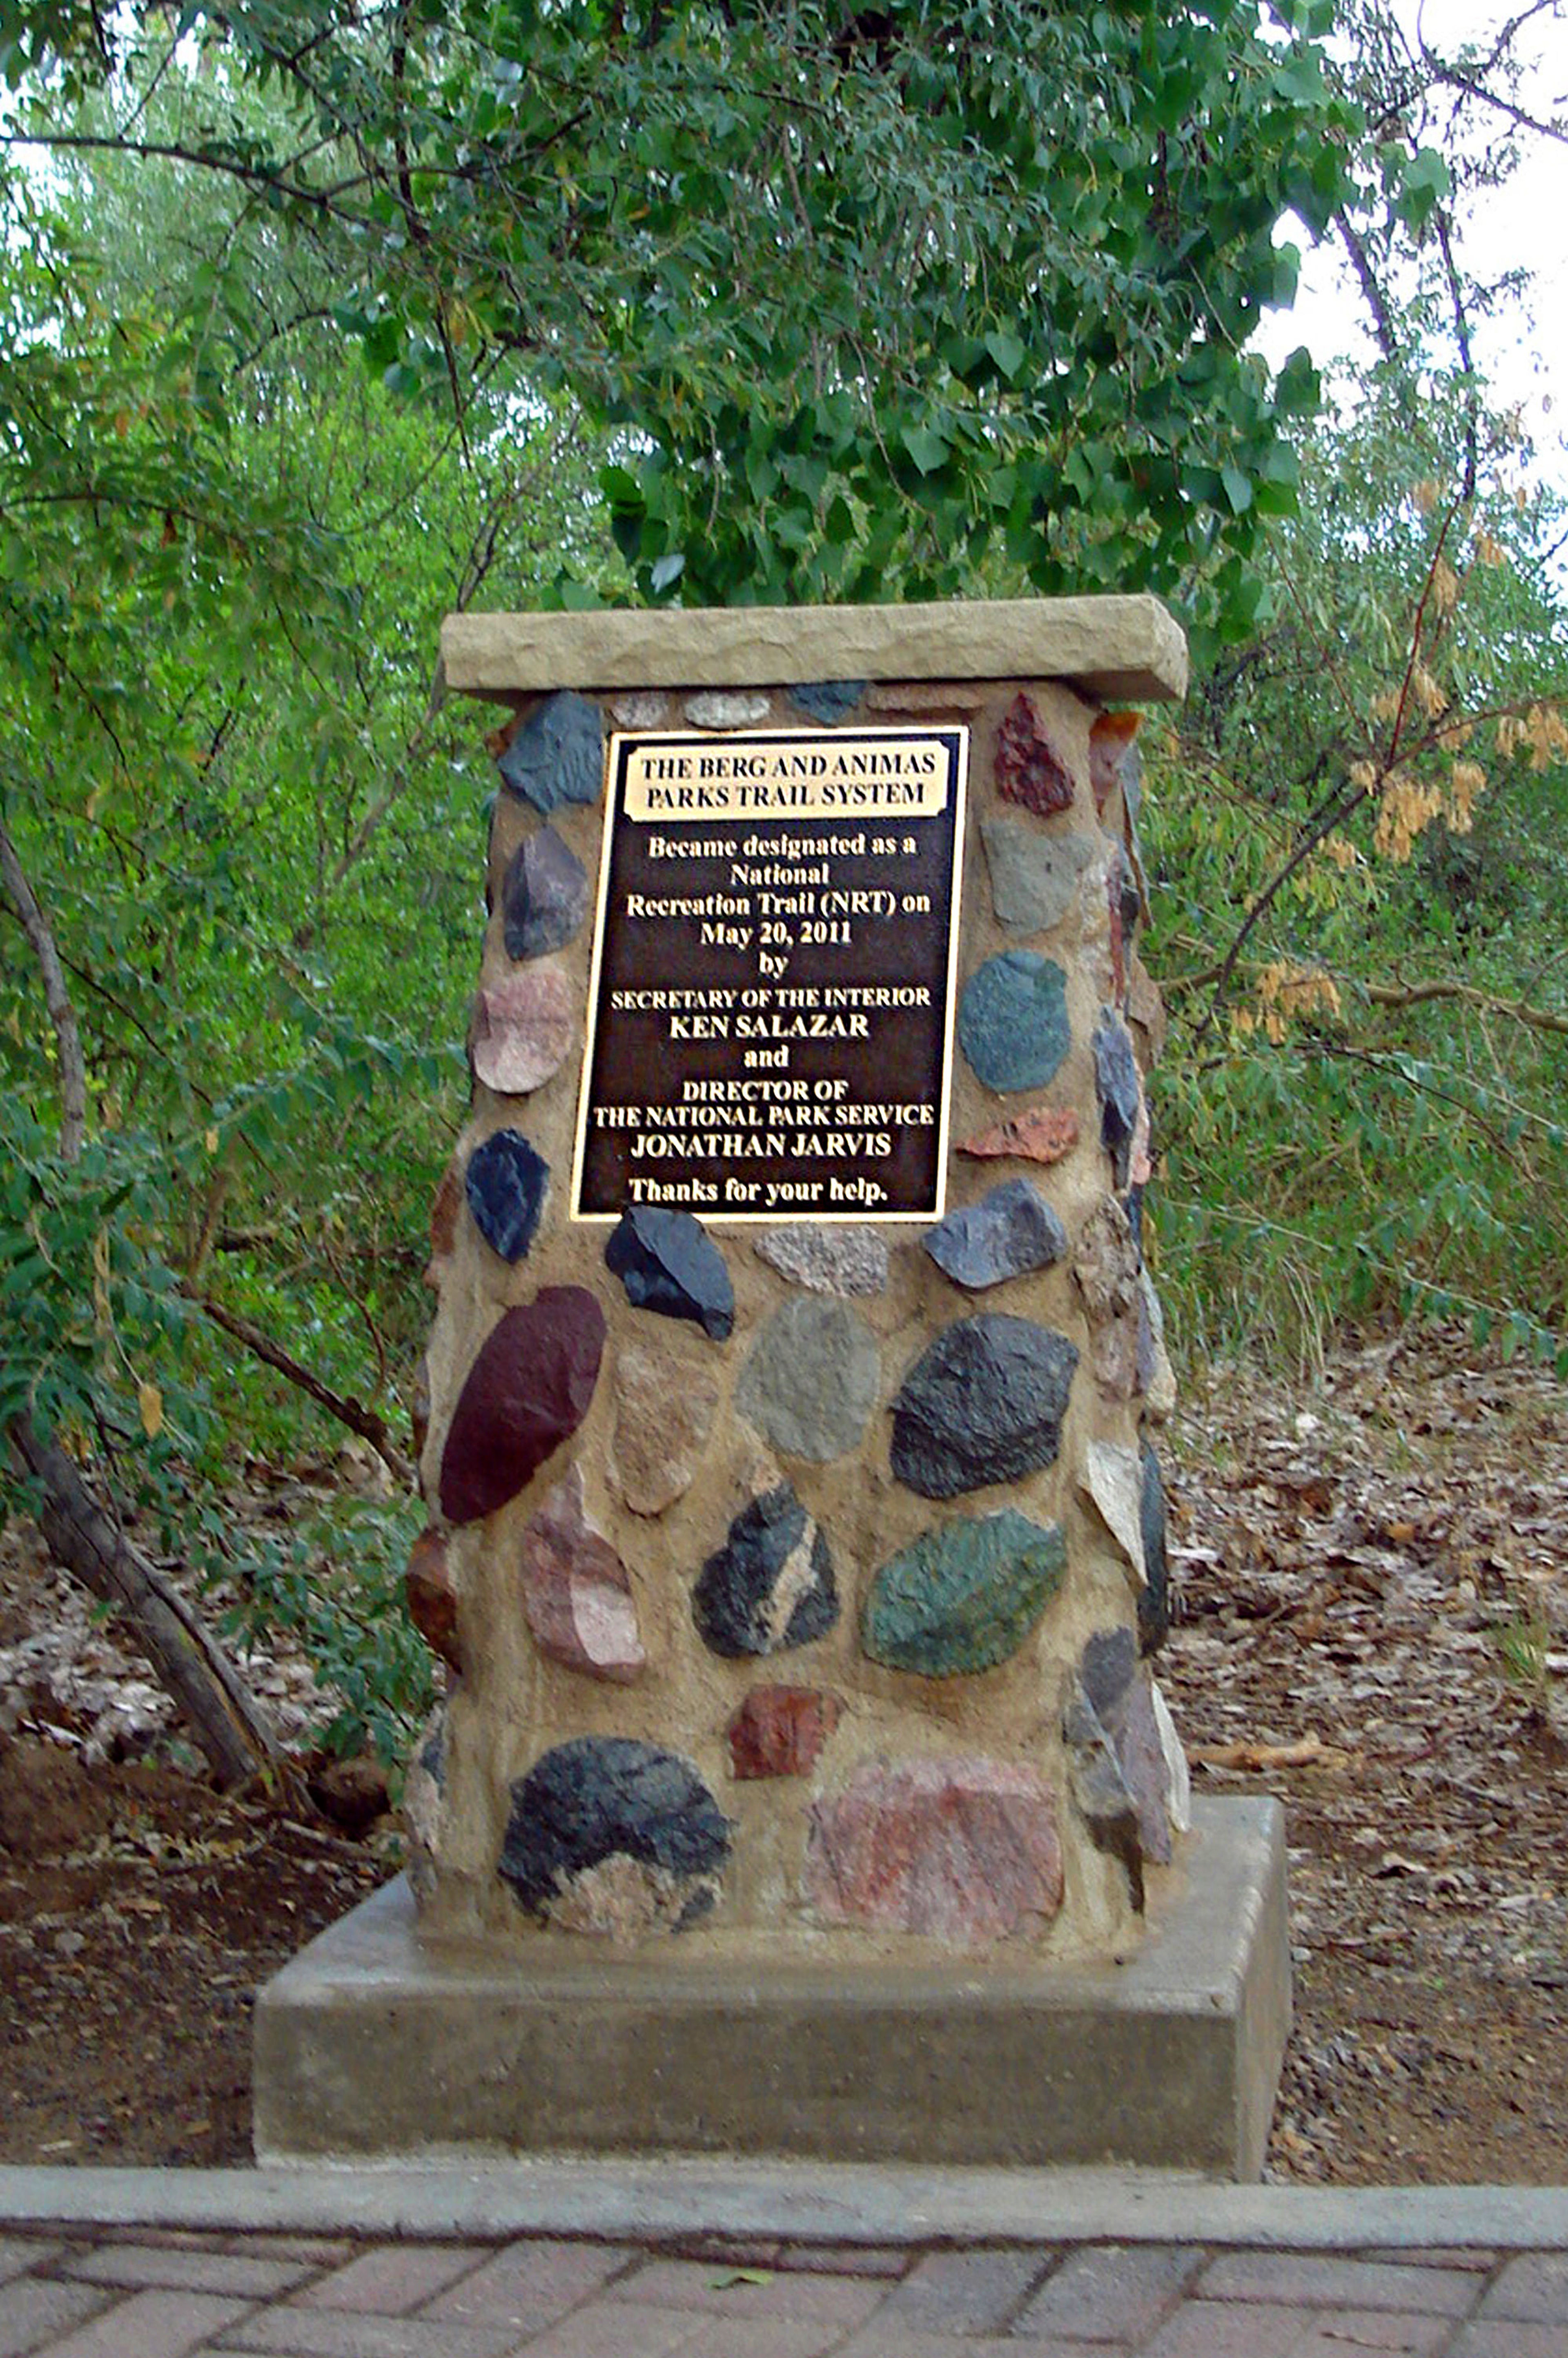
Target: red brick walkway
(127,2293)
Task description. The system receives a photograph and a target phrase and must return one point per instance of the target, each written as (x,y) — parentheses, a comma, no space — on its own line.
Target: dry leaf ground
(1372,1584)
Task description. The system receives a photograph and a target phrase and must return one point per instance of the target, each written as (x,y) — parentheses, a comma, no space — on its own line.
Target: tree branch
(56,999)
(349,1413)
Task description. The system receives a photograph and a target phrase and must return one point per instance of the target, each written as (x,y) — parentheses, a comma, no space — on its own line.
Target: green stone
(963,1596)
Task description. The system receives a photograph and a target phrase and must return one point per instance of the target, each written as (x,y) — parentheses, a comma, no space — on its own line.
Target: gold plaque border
(711,1217)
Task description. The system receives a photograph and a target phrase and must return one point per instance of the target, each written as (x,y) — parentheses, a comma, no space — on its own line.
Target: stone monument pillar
(797,1541)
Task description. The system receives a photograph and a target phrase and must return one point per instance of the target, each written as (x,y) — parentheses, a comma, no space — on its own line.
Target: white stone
(1113,1478)
(1178,1776)
(726,712)
(1160,1393)
(648,710)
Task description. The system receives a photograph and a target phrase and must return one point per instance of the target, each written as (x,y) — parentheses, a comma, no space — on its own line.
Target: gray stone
(1155,1597)
(984,1403)
(1012,1020)
(963,1598)
(425,1805)
(668,1262)
(648,709)
(1119,1689)
(726,712)
(1007,1233)
(771,1585)
(1156,1377)
(826,1260)
(610,1836)
(1113,1478)
(557,754)
(544,898)
(1107,1268)
(829,700)
(1099,1789)
(1035,876)
(1178,1776)
(664,1402)
(812,1380)
(1121,1092)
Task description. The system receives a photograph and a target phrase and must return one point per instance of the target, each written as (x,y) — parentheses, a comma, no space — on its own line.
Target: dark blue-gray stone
(829,700)
(1154,1597)
(544,899)
(1132,1204)
(506,1183)
(1007,1233)
(1012,1020)
(771,1585)
(812,1380)
(983,1403)
(668,1262)
(558,756)
(1116,1079)
(1101,1790)
(1115,1690)
(963,1598)
(599,1796)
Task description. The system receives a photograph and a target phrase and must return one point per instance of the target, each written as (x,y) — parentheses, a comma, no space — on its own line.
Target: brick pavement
(76,2292)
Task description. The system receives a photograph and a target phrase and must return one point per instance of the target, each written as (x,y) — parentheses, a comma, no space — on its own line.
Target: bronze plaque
(770,1015)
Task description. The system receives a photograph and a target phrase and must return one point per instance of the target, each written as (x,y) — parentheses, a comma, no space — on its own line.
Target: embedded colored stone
(771,1585)
(1012,1020)
(1113,1478)
(522,1029)
(1121,1092)
(1145,1008)
(424,1807)
(668,1262)
(575,1592)
(1107,1268)
(1156,1377)
(527,1393)
(1115,762)
(827,1260)
(506,1183)
(544,898)
(779,1731)
(1155,1597)
(1029,769)
(1034,876)
(1119,1690)
(432,1596)
(613,1836)
(1123,908)
(983,1403)
(829,700)
(1043,1134)
(959,1849)
(812,1380)
(1100,1791)
(444,1208)
(645,708)
(664,1403)
(963,1596)
(1178,1776)
(557,754)
(1007,1233)
(725,709)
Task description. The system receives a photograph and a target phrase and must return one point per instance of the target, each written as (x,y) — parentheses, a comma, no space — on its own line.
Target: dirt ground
(1371,1575)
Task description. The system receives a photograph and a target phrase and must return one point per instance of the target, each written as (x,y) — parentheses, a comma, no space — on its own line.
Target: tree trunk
(222,1715)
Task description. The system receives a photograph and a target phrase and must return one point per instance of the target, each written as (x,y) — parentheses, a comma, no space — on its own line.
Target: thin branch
(349,1413)
(56,999)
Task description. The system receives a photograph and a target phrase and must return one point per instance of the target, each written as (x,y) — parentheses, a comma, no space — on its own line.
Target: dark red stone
(1113,758)
(528,1390)
(432,1600)
(779,1731)
(1029,770)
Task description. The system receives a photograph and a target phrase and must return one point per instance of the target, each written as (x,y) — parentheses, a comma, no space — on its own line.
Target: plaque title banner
(770,1014)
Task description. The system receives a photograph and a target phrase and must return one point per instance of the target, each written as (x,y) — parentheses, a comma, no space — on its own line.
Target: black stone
(1154,1600)
(983,1403)
(829,700)
(558,756)
(733,1601)
(545,897)
(506,1183)
(598,1795)
(1116,1079)
(668,1262)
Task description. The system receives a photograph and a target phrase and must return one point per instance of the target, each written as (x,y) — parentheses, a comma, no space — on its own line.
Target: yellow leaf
(150,1399)
(210,1141)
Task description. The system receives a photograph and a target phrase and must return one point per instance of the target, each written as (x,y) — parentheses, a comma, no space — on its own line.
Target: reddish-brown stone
(961,1849)
(1043,1134)
(576,1590)
(432,1599)
(444,1210)
(419,1408)
(1029,770)
(779,1731)
(522,1029)
(1112,759)
(528,1390)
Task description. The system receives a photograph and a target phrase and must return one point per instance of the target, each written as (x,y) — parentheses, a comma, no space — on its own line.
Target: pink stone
(575,1592)
(1029,769)
(1042,1135)
(961,1849)
(522,1029)
(779,1731)
(528,1388)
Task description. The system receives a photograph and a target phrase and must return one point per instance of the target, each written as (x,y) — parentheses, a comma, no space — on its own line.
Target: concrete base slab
(375,2045)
